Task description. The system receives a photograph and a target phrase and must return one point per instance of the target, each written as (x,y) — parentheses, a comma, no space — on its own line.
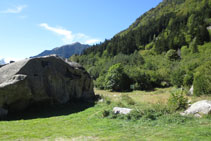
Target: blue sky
(29,27)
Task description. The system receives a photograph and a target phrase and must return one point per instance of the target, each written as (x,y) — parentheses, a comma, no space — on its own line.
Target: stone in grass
(119,110)
(190,92)
(199,108)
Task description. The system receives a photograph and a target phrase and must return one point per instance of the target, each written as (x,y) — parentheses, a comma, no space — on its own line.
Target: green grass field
(89,124)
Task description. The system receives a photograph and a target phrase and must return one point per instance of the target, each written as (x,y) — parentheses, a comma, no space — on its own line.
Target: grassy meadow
(97,123)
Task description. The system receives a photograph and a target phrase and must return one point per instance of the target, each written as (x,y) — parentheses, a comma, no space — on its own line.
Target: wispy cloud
(68,36)
(15,10)
(92,41)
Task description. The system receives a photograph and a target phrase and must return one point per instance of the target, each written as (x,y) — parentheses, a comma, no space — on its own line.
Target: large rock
(199,108)
(3,113)
(42,80)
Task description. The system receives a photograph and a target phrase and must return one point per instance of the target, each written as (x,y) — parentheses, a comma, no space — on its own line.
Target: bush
(116,79)
(193,46)
(128,100)
(144,79)
(99,83)
(172,55)
(202,80)
(177,100)
(188,79)
(177,77)
(185,51)
(105,113)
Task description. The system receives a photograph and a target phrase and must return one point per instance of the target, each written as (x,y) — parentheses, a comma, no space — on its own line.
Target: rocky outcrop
(42,80)
(3,113)
(199,108)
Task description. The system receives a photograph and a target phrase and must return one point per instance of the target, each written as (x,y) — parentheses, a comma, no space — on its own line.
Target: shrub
(177,100)
(134,115)
(193,46)
(128,100)
(177,77)
(116,79)
(184,51)
(172,55)
(99,83)
(94,72)
(188,79)
(105,113)
(202,80)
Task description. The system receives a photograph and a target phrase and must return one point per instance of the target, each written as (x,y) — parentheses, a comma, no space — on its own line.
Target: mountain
(165,46)
(2,62)
(65,51)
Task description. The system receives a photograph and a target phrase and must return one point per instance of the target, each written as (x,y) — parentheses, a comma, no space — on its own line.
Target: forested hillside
(168,45)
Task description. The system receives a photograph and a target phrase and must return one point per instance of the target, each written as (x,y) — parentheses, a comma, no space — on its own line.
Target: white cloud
(14,10)
(68,36)
(92,41)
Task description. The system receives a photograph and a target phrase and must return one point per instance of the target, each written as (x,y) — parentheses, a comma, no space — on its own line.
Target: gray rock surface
(3,113)
(44,79)
(119,110)
(190,92)
(199,108)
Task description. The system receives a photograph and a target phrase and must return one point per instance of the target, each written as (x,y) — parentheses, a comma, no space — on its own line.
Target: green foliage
(141,80)
(193,46)
(202,80)
(116,79)
(100,82)
(172,55)
(127,99)
(177,100)
(149,46)
(184,51)
(177,76)
(105,113)
(94,72)
(174,25)
(148,52)
(188,79)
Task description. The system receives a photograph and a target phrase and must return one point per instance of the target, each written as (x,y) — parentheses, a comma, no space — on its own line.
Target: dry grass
(148,97)
(157,96)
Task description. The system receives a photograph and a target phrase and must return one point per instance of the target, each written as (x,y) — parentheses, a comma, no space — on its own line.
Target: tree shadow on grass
(45,111)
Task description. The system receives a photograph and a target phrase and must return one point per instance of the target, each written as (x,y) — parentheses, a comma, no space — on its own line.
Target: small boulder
(119,110)
(190,92)
(199,108)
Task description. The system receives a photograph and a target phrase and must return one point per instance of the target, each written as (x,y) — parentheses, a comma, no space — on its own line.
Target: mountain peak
(75,43)
(65,51)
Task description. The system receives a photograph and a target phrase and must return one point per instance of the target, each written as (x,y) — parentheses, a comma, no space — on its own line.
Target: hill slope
(163,47)
(65,51)
(172,24)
